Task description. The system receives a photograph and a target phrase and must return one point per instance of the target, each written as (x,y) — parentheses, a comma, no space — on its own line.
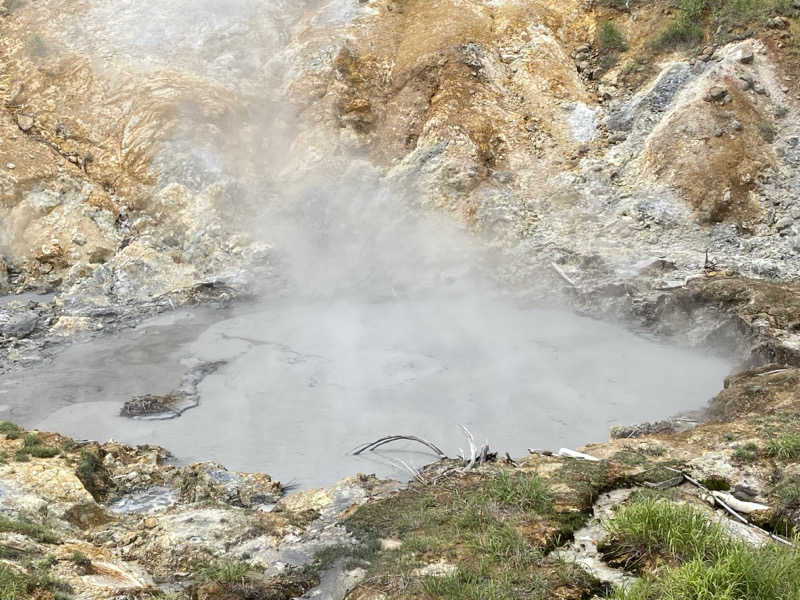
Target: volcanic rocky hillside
(639,159)
(568,133)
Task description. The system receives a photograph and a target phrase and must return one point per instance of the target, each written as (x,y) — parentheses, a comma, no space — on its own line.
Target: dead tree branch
(394,438)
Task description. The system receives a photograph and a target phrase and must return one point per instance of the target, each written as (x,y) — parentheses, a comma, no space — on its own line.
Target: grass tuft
(784,447)
(525,492)
(223,571)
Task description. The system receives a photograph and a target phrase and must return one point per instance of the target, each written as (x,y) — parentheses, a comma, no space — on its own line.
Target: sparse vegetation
(81,560)
(16,585)
(481,527)
(30,440)
(32,446)
(526,492)
(93,475)
(37,47)
(703,562)
(788,490)
(609,37)
(11,431)
(784,447)
(32,530)
(766,130)
(747,453)
(723,17)
(223,571)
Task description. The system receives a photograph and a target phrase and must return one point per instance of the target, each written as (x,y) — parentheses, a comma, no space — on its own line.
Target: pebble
(716,93)
(25,122)
(11,166)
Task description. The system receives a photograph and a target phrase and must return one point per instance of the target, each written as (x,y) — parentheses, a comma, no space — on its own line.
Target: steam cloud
(384,318)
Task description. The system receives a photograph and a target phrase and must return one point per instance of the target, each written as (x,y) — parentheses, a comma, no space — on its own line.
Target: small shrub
(22,455)
(680,32)
(31,440)
(80,559)
(11,431)
(621,5)
(43,451)
(784,447)
(609,37)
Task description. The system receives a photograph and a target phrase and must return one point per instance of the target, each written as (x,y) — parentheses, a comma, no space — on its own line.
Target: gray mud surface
(305,382)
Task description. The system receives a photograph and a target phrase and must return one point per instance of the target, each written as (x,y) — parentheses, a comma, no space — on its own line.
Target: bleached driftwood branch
(394,438)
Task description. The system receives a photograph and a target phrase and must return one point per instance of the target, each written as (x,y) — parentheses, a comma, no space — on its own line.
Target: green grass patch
(738,572)
(703,563)
(717,484)
(653,529)
(465,584)
(784,447)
